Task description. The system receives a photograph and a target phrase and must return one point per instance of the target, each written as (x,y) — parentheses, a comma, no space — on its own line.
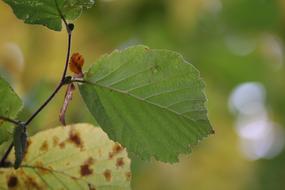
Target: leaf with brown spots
(68,158)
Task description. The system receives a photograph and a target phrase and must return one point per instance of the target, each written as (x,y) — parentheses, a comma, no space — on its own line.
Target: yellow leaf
(77,156)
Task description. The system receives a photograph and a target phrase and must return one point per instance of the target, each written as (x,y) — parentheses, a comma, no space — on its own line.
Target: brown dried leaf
(76,63)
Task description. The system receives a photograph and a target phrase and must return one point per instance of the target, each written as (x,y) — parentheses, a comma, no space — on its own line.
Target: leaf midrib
(141,99)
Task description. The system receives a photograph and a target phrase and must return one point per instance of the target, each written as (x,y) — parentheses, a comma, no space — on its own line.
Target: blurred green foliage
(229,41)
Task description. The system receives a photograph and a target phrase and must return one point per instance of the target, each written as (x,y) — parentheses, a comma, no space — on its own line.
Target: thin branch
(69,28)
(80,81)
(2,162)
(15,122)
(61,83)
(67,58)
(44,104)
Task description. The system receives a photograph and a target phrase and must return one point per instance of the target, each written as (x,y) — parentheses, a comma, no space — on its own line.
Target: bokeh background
(238,45)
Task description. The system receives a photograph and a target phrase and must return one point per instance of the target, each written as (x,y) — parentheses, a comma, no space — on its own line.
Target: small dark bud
(23,125)
(67,80)
(70,26)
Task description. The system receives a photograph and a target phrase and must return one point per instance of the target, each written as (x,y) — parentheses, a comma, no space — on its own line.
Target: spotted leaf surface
(73,157)
(45,12)
(151,101)
(10,105)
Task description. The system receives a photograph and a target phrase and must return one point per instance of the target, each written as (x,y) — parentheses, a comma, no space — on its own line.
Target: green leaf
(45,12)
(151,101)
(20,144)
(72,157)
(10,105)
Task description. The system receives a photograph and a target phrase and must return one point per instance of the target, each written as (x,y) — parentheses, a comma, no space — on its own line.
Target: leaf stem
(2,162)
(44,104)
(79,81)
(69,30)
(63,81)
(67,57)
(15,122)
